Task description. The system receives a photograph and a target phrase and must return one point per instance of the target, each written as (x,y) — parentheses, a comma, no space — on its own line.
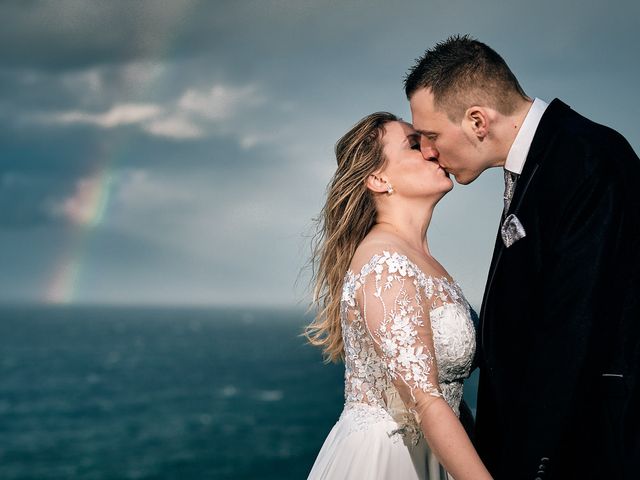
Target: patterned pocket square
(512,230)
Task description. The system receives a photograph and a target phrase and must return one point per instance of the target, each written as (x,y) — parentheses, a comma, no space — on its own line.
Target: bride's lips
(444,170)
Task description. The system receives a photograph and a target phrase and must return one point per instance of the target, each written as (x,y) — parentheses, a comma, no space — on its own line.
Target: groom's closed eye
(431,136)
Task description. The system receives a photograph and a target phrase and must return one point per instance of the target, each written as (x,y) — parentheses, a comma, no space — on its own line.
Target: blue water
(142,393)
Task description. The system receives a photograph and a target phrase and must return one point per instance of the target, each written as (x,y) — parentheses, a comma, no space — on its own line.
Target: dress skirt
(366,443)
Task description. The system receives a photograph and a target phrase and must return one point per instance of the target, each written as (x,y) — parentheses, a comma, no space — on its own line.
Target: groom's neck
(510,126)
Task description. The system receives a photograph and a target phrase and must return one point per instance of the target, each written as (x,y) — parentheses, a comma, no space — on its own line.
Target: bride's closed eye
(414,141)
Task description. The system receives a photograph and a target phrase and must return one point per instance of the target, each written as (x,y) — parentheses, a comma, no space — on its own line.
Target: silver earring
(389,188)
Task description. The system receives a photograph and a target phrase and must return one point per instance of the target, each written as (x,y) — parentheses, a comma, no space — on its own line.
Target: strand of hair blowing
(348,215)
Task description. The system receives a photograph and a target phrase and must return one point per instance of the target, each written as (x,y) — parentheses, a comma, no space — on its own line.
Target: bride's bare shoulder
(375,244)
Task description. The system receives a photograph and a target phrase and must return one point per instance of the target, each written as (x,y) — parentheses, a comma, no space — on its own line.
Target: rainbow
(86,210)
(89,206)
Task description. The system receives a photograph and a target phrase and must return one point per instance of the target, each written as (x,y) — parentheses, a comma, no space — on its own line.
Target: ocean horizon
(140,392)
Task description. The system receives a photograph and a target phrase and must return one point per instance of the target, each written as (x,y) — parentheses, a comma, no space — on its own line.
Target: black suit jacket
(559,326)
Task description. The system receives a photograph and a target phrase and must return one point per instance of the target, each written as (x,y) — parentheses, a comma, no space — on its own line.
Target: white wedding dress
(407,337)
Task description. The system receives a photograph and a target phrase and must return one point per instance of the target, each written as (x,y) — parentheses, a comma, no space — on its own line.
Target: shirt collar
(520,147)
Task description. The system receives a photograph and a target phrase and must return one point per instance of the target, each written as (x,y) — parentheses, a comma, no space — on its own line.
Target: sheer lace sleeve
(396,298)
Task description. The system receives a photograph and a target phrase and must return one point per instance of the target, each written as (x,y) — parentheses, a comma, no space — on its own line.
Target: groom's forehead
(425,124)
(422,99)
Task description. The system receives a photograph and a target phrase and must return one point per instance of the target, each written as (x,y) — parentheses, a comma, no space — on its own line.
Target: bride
(392,312)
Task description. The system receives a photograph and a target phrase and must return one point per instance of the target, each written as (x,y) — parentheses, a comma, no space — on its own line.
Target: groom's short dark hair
(462,72)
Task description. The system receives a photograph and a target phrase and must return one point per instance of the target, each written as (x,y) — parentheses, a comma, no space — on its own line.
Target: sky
(176,152)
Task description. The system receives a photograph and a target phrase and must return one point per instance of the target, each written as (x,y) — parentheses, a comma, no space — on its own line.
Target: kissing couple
(557,342)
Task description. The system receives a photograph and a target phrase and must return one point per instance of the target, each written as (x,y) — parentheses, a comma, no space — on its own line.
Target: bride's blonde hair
(348,215)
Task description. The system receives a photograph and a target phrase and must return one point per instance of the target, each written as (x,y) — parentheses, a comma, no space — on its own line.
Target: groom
(560,321)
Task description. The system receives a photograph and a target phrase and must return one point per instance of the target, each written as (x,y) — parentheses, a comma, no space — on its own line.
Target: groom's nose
(429,151)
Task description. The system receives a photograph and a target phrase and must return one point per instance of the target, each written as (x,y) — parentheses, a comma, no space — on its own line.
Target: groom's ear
(476,120)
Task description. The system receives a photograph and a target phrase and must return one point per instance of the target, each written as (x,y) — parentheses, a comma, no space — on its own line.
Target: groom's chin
(465,178)
(461,180)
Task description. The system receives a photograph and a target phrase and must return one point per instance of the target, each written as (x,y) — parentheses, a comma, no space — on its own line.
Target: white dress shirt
(520,147)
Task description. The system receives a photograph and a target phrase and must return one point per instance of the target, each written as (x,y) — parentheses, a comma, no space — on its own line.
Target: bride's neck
(410,225)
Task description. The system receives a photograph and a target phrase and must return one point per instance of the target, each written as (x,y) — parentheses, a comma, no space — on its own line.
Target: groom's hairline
(449,97)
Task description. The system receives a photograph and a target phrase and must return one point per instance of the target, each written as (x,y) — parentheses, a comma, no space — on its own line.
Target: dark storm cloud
(74,34)
(218,120)
(37,174)
(61,35)
(293,38)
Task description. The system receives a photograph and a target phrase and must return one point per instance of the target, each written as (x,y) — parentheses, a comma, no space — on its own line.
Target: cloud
(131,194)
(118,115)
(138,190)
(221,101)
(83,206)
(103,84)
(68,34)
(176,126)
(216,121)
(195,114)
(218,103)
(250,140)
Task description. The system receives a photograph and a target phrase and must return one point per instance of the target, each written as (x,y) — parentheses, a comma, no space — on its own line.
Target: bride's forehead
(399,130)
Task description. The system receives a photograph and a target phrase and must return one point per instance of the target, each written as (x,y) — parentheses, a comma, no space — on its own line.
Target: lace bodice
(407,336)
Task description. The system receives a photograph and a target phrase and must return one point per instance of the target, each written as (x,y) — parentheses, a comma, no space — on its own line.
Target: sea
(103,393)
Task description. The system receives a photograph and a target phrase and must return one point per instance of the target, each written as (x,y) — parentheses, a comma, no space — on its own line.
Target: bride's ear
(377,183)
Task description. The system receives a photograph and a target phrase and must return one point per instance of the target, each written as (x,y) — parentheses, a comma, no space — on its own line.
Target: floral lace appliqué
(403,355)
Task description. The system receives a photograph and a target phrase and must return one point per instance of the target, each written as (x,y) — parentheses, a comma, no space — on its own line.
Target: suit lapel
(530,169)
(542,141)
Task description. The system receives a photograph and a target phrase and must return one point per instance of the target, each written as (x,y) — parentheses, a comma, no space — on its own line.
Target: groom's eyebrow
(428,134)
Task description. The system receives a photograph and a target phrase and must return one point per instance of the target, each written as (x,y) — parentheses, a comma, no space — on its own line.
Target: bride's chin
(446,188)
(447,185)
